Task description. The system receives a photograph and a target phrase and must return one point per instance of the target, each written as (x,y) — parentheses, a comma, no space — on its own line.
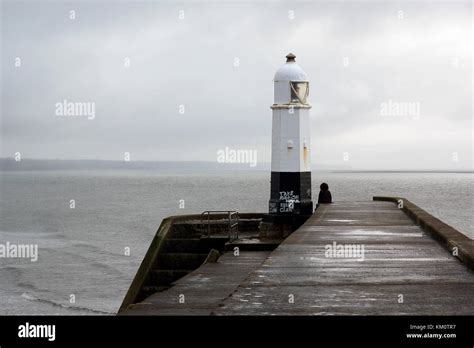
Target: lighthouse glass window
(299,92)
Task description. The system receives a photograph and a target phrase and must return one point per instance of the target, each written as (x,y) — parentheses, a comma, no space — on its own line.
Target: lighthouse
(290,194)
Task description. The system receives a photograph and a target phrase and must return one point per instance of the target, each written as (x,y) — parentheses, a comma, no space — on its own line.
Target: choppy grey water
(82,250)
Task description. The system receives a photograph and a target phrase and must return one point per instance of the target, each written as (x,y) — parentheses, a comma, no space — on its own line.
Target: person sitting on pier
(324,194)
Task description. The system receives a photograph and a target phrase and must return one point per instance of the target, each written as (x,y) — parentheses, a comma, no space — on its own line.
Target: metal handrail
(233,221)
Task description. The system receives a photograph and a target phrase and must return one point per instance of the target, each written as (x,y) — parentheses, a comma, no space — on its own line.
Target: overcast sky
(359,56)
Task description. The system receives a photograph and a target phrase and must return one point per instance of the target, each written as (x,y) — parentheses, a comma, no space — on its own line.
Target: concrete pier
(202,291)
(405,270)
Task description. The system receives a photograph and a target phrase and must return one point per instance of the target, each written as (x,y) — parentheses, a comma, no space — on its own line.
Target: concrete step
(182,245)
(164,277)
(186,231)
(194,228)
(253,244)
(249,225)
(180,261)
(213,242)
(148,290)
(195,245)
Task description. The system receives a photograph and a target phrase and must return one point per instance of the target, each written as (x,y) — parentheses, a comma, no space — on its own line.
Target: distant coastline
(9,164)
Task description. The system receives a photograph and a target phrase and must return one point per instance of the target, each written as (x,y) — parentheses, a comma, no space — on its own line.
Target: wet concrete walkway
(403,270)
(203,290)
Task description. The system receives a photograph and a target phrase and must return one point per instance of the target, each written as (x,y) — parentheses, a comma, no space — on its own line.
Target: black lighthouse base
(290,204)
(290,193)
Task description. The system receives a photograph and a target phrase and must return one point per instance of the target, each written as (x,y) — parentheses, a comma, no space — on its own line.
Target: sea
(93,228)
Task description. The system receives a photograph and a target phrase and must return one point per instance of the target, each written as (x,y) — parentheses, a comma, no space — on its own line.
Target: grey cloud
(191,62)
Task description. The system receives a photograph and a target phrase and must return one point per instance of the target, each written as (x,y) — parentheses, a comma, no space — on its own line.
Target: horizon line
(242,166)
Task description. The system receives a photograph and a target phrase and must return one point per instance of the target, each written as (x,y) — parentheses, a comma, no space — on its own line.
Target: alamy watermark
(347,251)
(392,108)
(67,108)
(28,330)
(24,251)
(228,155)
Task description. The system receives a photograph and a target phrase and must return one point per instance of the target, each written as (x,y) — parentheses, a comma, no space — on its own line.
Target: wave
(30,297)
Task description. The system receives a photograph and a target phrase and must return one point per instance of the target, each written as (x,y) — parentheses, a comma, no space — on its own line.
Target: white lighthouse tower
(290,197)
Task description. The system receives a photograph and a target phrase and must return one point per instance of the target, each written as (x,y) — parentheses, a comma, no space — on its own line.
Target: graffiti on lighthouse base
(287,201)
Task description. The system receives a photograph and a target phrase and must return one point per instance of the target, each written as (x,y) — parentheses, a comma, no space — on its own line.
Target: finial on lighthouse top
(290,58)
(290,71)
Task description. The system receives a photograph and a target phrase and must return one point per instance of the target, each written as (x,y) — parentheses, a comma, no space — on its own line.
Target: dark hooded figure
(324,194)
